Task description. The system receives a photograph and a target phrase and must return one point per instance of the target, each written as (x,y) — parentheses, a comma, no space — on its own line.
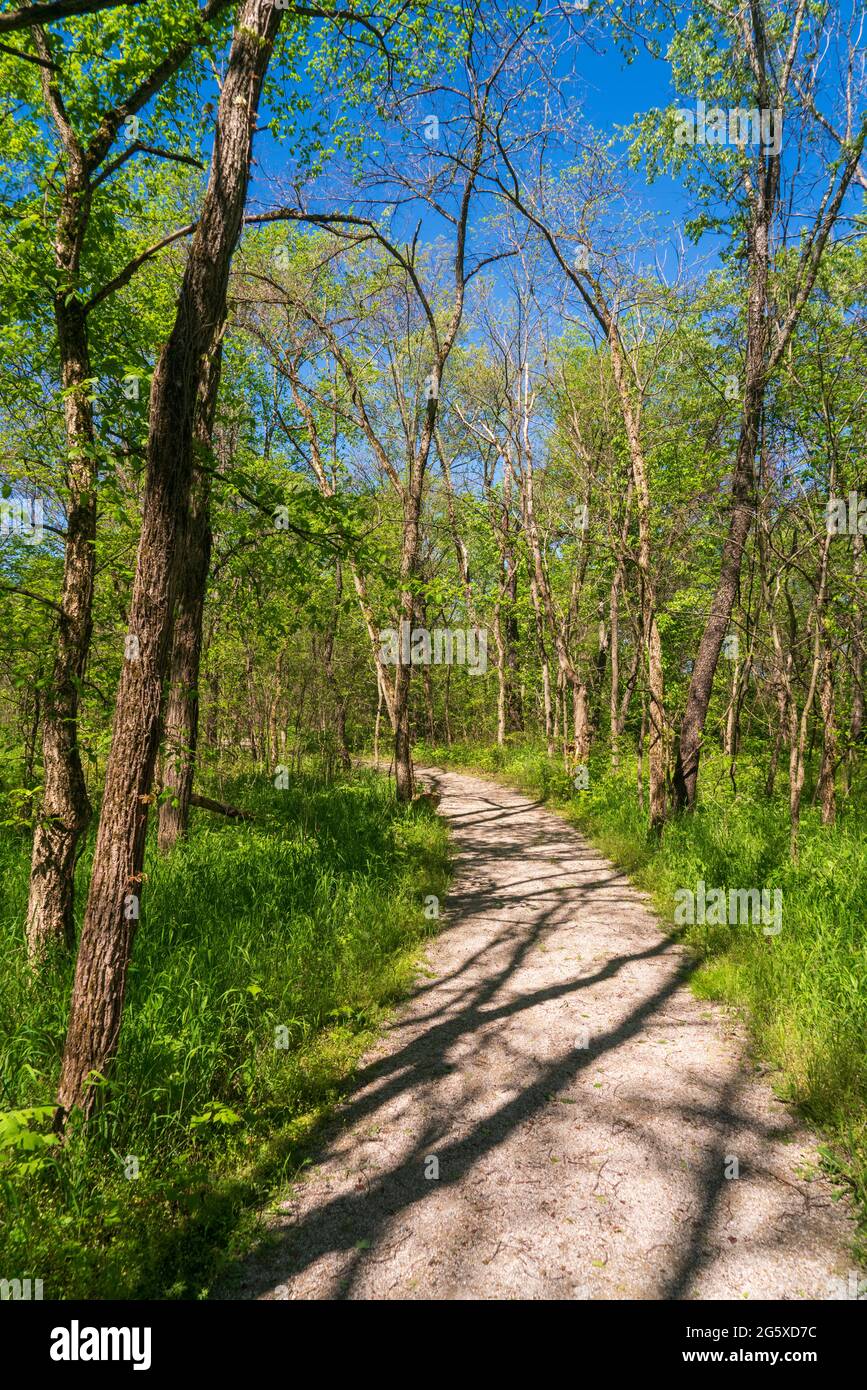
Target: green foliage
(307,921)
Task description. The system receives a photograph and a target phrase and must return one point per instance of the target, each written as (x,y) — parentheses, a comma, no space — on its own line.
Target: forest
(403,405)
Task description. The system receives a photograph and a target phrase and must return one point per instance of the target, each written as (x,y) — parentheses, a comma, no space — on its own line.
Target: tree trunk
(710,646)
(760,364)
(112,908)
(326,487)
(212,723)
(182,709)
(782,718)
(796,777)
(856,720)
(614,639)
(730,737)
(31,739)
(650,628)
(501,677)
(514,703)
(377,725)
(409,561)
(331,676)
(65,811)
(743,485)
(547,702)
(640,759)
(581,722)
(403,774)
(798,730)
(827,775)
(427,682)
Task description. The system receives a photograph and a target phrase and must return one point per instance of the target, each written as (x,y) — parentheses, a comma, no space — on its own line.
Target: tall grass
(265,957)
(804,992)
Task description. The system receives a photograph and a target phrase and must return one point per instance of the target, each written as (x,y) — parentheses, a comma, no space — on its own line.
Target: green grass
(300,929)
(804,992)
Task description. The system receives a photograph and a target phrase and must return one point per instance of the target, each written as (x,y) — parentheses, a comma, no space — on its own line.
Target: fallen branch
(206,803)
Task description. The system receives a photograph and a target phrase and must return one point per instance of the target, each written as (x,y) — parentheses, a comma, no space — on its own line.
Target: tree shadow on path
(451,1013)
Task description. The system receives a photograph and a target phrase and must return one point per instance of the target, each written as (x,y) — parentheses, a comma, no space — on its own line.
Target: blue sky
(611,90)
(616,92)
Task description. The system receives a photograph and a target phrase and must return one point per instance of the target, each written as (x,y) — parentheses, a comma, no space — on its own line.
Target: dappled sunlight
(580,1105)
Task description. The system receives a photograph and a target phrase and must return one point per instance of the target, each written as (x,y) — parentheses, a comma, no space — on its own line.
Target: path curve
(581,1105)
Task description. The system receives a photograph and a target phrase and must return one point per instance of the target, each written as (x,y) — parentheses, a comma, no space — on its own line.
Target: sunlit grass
(804,992)
(266,957)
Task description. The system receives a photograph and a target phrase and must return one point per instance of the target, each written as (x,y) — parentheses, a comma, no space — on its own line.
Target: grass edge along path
(267,959)
(802,995)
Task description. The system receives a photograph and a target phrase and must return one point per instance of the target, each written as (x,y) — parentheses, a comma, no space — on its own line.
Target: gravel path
(581,1107)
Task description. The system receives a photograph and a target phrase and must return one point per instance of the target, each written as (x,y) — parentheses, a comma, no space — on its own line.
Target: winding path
(582,1107)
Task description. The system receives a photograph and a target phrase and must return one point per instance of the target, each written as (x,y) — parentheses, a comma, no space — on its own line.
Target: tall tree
(766,76)
(65,811)
(112,908)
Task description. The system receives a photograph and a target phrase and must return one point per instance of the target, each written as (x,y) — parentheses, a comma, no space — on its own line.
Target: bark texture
(181,723)
(107,935)
(65,812)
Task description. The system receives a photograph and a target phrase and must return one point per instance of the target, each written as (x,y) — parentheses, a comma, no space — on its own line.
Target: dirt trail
(581,1105)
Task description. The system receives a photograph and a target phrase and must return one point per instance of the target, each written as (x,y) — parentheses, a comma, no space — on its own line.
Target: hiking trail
(581,1105)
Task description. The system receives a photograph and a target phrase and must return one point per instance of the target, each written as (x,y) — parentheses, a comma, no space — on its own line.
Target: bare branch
(129,270)
(50,10)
